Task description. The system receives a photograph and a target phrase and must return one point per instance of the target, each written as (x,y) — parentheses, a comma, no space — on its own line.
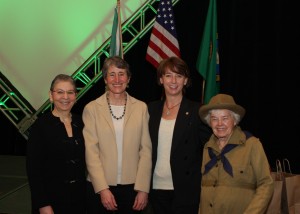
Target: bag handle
(279,172)
(286,161)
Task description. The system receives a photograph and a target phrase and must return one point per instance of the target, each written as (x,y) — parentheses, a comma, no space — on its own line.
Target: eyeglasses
(62,92)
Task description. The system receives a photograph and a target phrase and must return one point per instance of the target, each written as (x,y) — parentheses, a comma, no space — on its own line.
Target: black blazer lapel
(155,117)
(181,124)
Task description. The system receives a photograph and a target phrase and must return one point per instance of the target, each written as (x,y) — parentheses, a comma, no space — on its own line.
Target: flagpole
(203,90)
(120,26)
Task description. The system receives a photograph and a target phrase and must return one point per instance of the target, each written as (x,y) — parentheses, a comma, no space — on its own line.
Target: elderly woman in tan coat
(236,173)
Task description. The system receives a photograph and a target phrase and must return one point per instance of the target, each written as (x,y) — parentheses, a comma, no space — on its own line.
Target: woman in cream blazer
(118,145)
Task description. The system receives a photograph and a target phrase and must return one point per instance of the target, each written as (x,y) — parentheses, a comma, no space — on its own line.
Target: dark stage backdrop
(259,54)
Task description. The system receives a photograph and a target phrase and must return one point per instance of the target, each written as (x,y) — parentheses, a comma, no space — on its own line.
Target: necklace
(111,112)
(168,111)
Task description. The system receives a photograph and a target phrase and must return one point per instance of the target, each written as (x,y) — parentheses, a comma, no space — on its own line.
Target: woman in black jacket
(177,136)
(56,155)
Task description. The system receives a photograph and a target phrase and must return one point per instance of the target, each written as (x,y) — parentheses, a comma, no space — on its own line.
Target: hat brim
(203,111)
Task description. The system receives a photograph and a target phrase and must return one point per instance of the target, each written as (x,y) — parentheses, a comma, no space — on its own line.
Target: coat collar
(102,102)
(238,137)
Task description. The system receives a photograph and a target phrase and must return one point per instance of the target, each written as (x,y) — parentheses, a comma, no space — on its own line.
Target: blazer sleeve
(145,162)
(93,162)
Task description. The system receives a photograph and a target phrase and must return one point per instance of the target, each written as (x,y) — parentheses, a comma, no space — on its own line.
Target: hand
(108,200)
(46,210)
(141,201)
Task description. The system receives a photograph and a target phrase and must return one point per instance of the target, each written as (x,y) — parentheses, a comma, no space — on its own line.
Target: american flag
(163,40)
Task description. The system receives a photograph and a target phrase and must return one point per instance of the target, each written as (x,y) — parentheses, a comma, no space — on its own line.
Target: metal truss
(15,107)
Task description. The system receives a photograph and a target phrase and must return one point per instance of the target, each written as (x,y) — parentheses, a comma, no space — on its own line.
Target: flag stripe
(154,48)
(163,39)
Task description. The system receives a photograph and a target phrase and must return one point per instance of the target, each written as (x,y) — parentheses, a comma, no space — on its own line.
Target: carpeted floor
(14,190)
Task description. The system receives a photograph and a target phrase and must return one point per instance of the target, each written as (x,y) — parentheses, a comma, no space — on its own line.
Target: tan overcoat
(251,187)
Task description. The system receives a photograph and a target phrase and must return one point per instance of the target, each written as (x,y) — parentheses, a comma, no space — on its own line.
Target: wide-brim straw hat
(221,101)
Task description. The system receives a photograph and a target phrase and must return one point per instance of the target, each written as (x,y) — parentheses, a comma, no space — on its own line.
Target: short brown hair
(116,61)
(176,65)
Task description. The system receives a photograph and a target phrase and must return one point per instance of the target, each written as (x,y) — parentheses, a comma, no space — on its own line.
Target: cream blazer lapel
(104,111)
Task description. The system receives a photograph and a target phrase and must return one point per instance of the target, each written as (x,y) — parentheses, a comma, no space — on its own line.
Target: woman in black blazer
(55,161)
(177,136)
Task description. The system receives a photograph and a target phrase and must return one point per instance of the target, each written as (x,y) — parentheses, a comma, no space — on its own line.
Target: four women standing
(115,144)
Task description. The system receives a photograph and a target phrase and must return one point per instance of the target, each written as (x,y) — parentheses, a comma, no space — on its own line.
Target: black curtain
(259,52)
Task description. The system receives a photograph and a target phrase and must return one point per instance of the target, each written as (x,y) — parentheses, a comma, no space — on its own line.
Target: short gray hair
(236,117)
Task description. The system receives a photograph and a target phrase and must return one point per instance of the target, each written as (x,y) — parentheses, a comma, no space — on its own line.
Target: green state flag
(116,48)
(208,58)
